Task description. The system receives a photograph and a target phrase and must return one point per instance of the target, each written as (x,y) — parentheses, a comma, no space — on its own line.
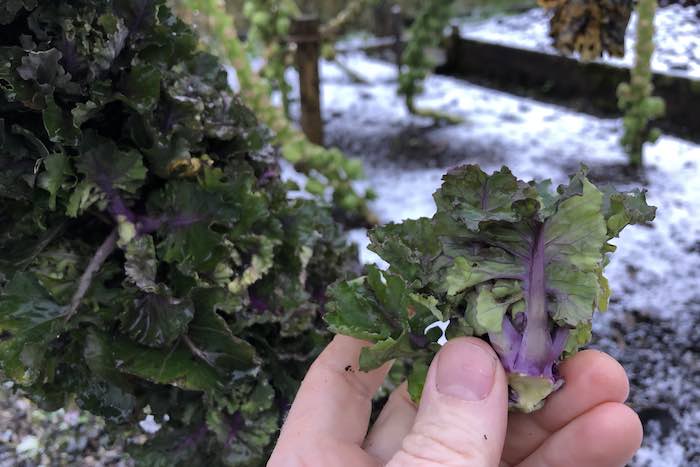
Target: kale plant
(151,261)
(425,33)
(330,174)
(512,262)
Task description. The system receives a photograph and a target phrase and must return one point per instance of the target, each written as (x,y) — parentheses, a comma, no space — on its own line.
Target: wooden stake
(397,32)
(452,53)
(305,34)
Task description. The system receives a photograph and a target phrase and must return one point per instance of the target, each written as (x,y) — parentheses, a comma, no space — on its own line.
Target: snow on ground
(534,140)
(677,39)
(652,326)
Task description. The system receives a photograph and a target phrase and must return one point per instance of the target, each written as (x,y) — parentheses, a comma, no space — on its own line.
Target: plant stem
(195,350)
(536,343)
(255,92)
(352,10)
(93,267)
(635,97)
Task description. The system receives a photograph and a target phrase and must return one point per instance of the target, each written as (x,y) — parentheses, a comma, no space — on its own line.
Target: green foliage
(502,259)
(328,166)
(269,22)
(635,97)
(150,259)
(425,33)
(591,28)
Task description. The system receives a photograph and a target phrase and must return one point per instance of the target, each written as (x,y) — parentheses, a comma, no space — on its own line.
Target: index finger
(335,398)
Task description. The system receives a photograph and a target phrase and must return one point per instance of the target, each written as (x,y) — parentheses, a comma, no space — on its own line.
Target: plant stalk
(93,267)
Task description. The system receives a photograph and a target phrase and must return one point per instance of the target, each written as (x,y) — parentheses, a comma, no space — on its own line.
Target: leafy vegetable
(426,32)
(330,173)
(151,261)
(509,261)
(636,98)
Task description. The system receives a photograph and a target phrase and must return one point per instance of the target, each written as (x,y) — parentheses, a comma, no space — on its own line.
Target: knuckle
(323,452)
(428,447)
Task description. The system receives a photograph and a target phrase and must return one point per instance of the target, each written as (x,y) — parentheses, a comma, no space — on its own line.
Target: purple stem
(195,437)
(117,207)
(561,335)
(258,304)
(236,422)
(147,225)
(506,343)
(537,341)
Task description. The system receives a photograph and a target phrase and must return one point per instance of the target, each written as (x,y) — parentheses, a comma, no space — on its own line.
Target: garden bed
(677,37)
(654,319)
(514,53)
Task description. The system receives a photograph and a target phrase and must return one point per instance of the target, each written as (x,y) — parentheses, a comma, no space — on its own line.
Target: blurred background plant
(636,98)
(243,31)
(416,64)
(330,174)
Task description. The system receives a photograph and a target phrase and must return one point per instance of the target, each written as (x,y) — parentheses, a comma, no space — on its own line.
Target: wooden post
(452,52)
(305,34)
(381,26)
(397,32)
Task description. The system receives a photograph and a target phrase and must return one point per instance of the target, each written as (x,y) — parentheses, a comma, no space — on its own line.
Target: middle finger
(592,378)
(393,424)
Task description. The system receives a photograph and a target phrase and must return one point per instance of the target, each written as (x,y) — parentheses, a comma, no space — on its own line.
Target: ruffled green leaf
(141,265)
(157,319)
(486,311)
(416,380)
(409,247)
(353,313)
(622,209)
(141,88)
(59,125)
(217,345)
(174,366)
(467,272)
(108,167)
(575,233)
(29,321)
(57,168)
(471,196)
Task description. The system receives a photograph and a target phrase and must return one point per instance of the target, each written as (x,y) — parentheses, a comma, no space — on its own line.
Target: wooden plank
(591,87)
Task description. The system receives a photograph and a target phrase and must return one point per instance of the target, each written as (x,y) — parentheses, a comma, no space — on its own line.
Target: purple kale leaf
(512,262)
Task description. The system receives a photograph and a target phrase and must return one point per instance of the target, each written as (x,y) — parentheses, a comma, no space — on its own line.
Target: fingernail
(465,371)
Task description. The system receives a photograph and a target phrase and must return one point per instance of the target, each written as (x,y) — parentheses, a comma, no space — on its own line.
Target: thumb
(463,411)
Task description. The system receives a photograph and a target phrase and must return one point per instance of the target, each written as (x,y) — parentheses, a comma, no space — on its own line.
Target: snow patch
(651,273)
(677,37)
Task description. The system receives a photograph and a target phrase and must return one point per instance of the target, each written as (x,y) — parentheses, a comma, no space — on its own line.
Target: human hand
(463,415)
